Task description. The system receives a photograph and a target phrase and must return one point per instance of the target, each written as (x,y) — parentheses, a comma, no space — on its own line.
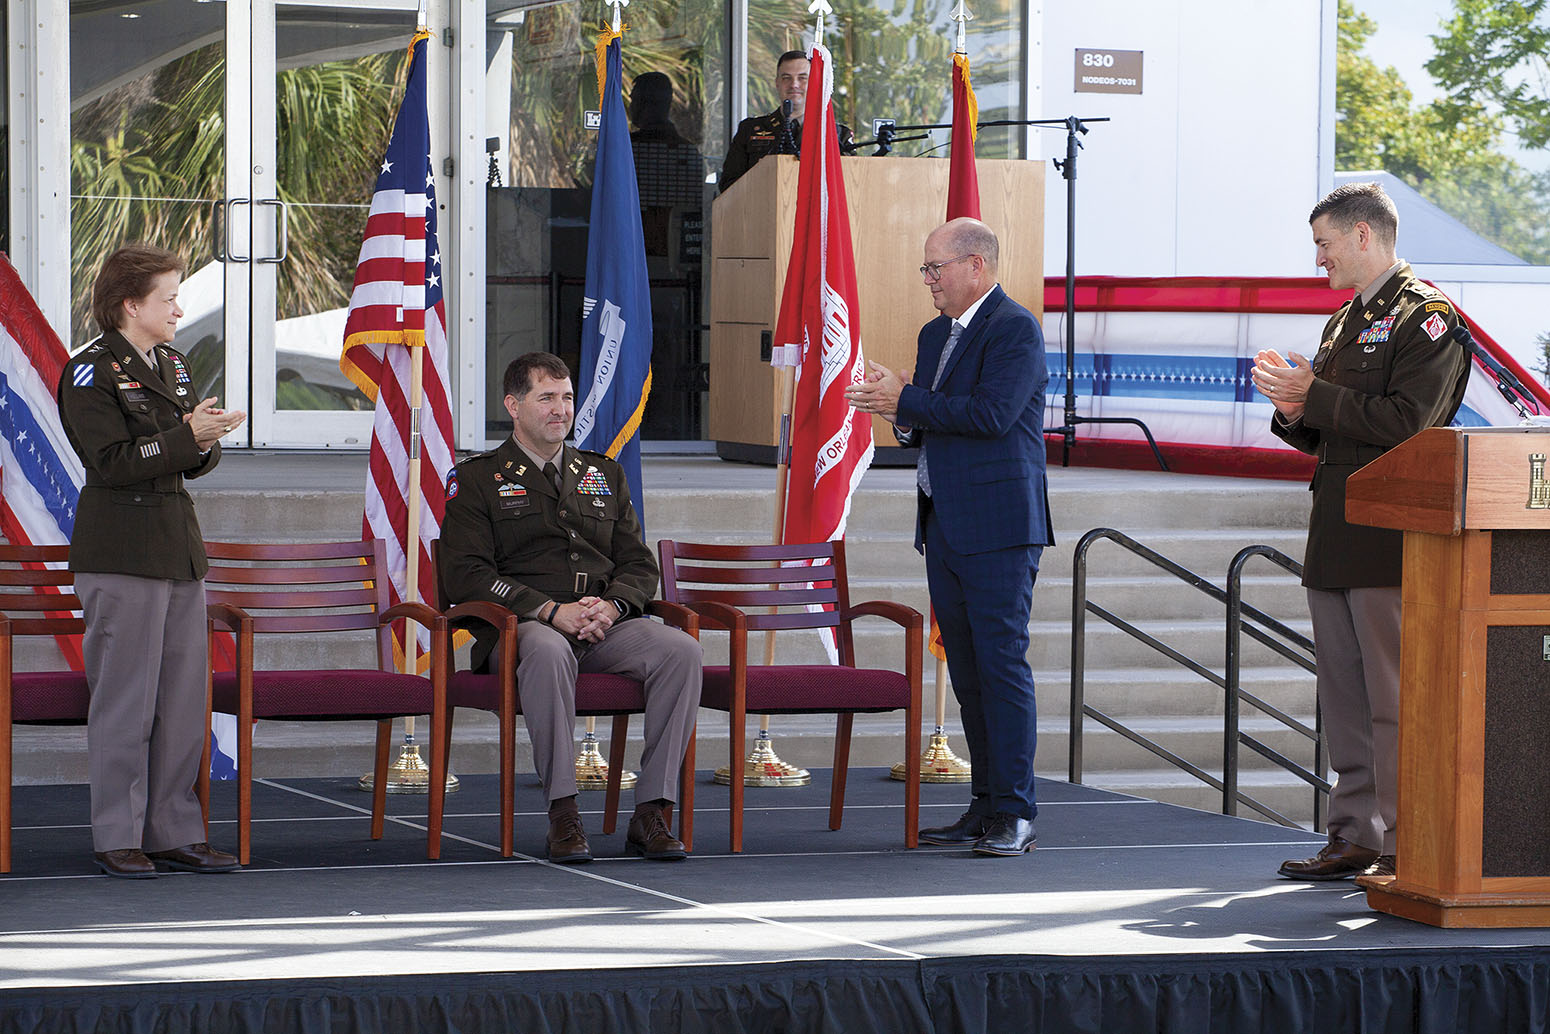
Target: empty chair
(744,589)
(297,589)
(28,608)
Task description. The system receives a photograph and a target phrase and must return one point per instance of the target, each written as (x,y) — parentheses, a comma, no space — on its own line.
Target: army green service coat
(1384,372)
(508,538)
(125,421)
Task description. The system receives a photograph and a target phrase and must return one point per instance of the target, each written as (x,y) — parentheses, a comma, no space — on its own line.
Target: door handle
(218,230)
(232,256)
(283,219)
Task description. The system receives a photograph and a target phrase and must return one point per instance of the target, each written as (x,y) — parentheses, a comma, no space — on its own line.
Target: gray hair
(972,237)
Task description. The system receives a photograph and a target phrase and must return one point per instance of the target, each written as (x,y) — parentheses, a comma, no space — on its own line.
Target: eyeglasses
(932,271)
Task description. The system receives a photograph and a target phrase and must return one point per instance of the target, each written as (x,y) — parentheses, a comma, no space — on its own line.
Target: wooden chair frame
(762,582)
(363,563)
(53,618)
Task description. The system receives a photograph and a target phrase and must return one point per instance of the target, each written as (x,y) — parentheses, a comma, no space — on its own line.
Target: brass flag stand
(592,767)
(938,763)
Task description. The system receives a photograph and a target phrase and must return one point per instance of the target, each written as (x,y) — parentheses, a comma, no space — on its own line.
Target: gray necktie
(922,476)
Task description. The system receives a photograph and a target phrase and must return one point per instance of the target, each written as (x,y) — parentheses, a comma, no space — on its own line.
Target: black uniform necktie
(553,474)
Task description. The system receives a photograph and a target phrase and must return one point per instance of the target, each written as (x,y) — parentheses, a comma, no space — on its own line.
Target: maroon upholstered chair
(723,583)
(297,589)
(597,695)
(34,697)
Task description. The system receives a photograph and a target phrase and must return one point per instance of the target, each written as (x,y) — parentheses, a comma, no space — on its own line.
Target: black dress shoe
(1008,836)
(128,863)
(201,858)
(1337,860)
(970,827)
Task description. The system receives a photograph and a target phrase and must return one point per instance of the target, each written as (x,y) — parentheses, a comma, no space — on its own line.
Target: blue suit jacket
(982,429)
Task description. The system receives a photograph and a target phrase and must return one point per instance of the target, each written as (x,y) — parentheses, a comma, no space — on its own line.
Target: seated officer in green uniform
(759,136)
(548,531)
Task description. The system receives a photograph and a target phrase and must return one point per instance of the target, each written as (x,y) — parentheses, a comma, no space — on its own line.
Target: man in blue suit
(975,408)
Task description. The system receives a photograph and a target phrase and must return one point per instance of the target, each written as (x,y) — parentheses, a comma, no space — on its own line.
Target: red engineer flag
(820,333)
(397,306)
(963,184)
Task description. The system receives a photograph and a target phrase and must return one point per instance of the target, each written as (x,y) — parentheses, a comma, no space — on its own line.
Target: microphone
(1511,388)
(787,143)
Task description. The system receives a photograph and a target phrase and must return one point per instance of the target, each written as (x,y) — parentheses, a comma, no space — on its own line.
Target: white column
(38,82)
(463,229)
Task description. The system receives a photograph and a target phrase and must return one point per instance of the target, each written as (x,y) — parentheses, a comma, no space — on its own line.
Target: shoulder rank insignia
(594,483)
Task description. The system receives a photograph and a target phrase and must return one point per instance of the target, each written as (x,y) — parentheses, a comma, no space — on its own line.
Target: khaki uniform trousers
(1356,634)
(146,661)
(666,660)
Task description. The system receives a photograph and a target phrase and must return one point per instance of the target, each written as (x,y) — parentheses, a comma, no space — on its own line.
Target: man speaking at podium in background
(975,407)
(762,134)
(1387,368)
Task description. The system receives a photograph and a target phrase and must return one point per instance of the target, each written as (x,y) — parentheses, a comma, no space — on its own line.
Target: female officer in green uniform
(126,401)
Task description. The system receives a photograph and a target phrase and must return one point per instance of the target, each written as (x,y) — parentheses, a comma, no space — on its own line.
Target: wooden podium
(1474,731)
(894,203)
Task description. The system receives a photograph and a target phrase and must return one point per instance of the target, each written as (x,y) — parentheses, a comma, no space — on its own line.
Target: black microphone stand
(1074,126)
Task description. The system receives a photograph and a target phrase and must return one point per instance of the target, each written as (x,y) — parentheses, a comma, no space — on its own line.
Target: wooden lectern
(1474,731)
(894,203)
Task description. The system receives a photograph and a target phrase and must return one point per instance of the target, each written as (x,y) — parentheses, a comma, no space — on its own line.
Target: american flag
(819,330)
(40,474)
(397,305)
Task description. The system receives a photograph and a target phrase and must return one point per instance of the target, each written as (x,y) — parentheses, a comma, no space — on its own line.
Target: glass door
(326,80)
(148,159)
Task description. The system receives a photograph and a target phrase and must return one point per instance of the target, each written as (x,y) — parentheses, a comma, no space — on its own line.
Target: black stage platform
(1131,916)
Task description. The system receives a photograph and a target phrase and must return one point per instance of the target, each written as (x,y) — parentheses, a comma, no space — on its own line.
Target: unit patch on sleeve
(452,484)
(1434,326)
(82,375)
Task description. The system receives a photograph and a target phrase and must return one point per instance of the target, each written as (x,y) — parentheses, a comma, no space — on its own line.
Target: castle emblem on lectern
(1538,486)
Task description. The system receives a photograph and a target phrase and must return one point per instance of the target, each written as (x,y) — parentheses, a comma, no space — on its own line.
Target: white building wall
(1212,169)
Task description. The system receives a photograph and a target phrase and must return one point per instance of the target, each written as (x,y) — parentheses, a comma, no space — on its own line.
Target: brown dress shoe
(1383,865)
(1338,860)
(200,858)
(648,836)
(127,863)
(567,840)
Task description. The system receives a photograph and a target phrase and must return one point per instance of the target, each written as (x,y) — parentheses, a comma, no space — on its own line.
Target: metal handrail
(1270,632)
(1233,735)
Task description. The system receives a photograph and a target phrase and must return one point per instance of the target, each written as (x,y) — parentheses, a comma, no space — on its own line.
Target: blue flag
(615,375)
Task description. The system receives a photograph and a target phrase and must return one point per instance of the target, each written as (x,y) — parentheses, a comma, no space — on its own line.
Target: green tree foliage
(148,164)
(1448,150)
(1493,52)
